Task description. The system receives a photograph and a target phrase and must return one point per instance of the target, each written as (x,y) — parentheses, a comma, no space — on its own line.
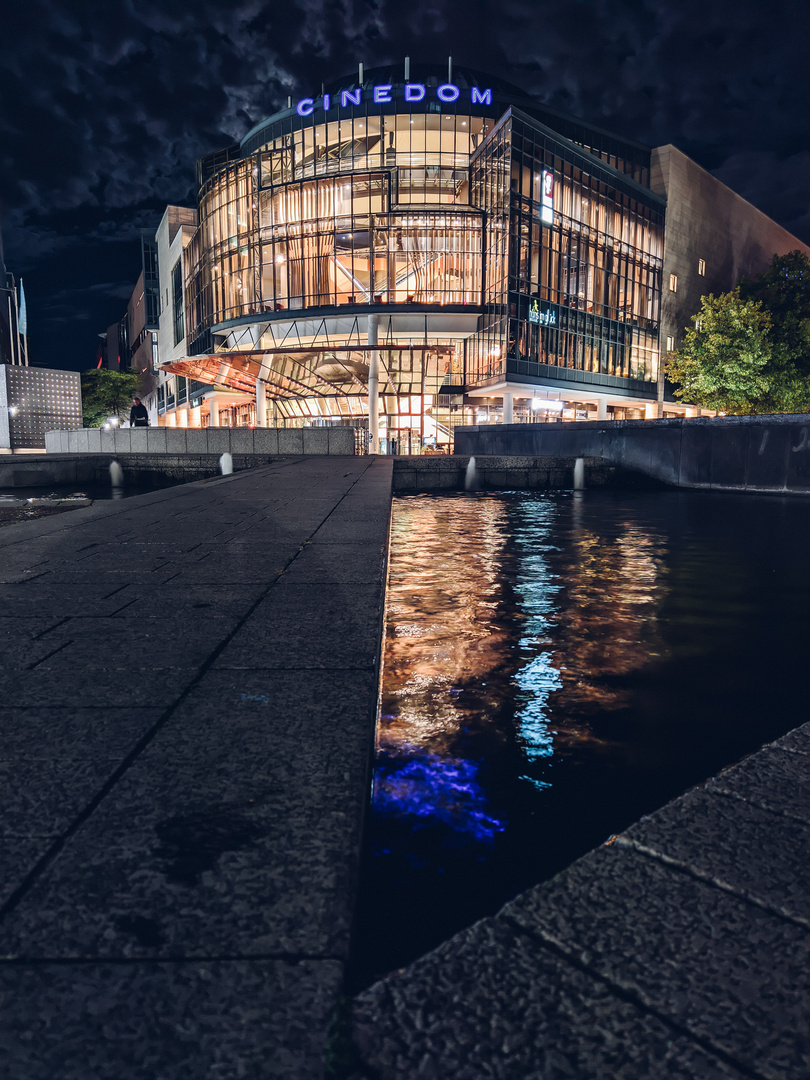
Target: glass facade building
(435,234)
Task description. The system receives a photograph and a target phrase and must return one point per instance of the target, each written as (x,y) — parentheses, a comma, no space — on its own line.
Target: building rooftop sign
(381,94)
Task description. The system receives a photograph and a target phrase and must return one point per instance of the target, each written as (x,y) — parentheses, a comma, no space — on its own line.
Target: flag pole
(17,327)
(10,330)
(22,322)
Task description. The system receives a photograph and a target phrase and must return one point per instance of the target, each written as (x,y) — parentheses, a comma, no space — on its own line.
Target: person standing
(138,416)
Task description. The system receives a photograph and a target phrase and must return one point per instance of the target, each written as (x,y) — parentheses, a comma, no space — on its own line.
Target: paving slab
(734,845)
(294,620)
(338,564)
(73,732)
(27,600)
(797,741)
(191,836)
(18,857)
(723,969)
(41,797)
(229,1019)
(774,779)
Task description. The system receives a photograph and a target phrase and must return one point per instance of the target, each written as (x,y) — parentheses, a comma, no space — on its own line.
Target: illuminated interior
(492,245)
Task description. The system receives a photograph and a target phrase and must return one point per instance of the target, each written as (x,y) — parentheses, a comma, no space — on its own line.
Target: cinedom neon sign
(380,95)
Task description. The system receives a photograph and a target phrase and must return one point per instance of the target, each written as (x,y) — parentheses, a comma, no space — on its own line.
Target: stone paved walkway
(189,684)
(679,949)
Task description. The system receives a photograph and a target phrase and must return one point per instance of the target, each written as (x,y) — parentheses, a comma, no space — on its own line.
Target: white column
(373,385)
(214,404)
(261,403)
(508,399)
(601,406)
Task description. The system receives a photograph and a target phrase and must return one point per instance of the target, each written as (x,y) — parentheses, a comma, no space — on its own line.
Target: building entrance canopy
(337,371)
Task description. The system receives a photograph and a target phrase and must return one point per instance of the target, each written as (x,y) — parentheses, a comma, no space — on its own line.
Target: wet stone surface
(235,1020)
(535,1016)
(165,814)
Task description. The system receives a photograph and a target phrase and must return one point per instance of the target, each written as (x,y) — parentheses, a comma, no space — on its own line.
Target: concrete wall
(413,475)
(154,440)
(735,453)
(707,220)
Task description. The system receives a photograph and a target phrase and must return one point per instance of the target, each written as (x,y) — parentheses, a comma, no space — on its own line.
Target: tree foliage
(722,363)
(107,393)
(748,351)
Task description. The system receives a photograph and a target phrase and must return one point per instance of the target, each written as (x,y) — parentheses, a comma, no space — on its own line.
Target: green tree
(784,292)
(107,393)
(723,363)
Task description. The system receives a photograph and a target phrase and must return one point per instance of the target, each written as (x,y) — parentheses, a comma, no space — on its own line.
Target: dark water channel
(557,666)
(95,490)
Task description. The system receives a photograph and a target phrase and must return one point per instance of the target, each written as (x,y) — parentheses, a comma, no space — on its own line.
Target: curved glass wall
(430,151)
(391,223)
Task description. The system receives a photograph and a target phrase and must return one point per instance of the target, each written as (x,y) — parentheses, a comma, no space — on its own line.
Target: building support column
(601,408)
(508,401)
(373,385)
(214,418)
(261,403)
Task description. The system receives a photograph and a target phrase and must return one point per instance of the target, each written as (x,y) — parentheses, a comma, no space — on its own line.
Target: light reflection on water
(555,667)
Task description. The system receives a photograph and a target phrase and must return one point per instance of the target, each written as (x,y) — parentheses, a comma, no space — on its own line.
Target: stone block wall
(163,440)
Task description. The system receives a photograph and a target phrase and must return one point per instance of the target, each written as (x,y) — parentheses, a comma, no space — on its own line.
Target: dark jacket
(138,416)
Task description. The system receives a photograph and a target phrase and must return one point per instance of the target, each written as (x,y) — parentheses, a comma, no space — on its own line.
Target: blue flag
(22,320)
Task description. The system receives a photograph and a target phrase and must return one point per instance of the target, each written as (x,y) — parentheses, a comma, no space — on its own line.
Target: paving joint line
(48,656)
(203,958)
(760,805)
(118,590)
(709,879)
(632,996)
(38,637)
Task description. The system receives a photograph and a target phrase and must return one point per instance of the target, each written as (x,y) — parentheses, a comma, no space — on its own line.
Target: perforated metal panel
(40,400)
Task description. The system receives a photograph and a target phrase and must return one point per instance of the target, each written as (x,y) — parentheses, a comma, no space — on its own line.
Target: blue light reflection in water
(536,589)
(555,667)
(431,789)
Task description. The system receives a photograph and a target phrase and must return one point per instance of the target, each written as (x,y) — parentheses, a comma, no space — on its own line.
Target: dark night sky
(106,105)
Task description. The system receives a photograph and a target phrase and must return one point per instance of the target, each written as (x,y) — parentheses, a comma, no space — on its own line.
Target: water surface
(555,667)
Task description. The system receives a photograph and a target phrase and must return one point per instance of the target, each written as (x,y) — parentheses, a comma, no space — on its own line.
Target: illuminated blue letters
(414,91)
(481,97)
(447,92)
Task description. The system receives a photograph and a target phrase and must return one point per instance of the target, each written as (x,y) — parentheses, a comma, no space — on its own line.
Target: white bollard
(579,474)
(226,464)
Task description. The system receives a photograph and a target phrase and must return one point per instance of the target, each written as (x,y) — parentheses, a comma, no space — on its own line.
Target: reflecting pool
(556,666)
